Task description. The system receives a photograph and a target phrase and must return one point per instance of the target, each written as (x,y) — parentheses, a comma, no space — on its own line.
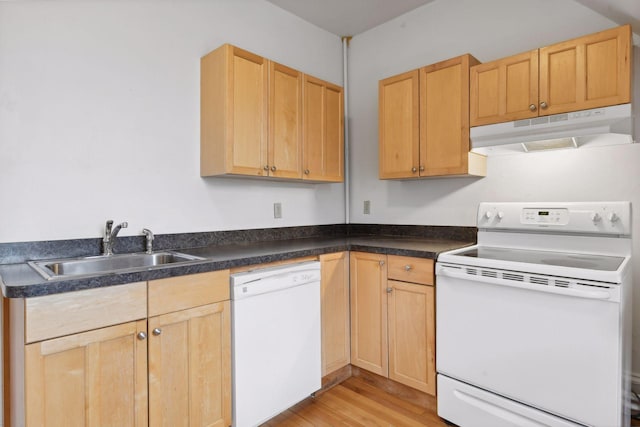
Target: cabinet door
(444,117)
(398,122)
(323,124)
(96,378)
(336,343)
(233,108)
(368,273)
(587,72)
(504,90)
(190,367)
(285,121)
(412,335)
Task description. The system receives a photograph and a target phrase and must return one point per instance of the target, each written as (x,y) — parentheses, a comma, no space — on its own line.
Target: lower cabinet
(393,318)
(167,362)
(334,305)
(189,367)
(96,378)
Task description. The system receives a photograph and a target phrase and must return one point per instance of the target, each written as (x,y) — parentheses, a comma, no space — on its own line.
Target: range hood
(596,127)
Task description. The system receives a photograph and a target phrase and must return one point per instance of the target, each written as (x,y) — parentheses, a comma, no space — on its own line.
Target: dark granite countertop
(19,280)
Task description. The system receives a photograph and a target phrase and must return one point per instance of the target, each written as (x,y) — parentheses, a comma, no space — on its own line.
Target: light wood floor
(358,402)
(362,401)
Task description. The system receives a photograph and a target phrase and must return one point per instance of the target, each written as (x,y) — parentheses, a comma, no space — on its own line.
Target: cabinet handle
(142,336)
(407,267)
(421,168)
(543,105)
(266,167)
(381,263)
(414,169)
(157,331)
(273,168)
(532,107)
(306,171)
(389,290)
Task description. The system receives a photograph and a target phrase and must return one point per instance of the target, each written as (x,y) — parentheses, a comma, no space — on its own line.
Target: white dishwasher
(275,340)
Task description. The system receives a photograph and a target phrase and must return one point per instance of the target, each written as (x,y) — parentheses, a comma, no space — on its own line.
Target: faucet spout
(149,235)
(110,234)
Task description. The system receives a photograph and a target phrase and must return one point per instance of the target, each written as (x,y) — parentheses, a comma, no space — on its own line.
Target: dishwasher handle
(597,294)
(263,281)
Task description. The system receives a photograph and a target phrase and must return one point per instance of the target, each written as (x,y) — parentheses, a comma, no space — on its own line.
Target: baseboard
(406,393)
(333,378)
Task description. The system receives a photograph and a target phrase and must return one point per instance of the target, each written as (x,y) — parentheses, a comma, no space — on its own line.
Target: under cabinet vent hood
(597,127)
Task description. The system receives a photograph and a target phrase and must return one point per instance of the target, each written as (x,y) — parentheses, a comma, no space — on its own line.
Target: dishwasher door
(275,340)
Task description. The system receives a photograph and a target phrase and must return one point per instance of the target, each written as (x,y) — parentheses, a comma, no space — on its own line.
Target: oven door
(551,348)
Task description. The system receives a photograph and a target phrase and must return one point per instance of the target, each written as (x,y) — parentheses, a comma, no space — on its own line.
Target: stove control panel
(613,218)
(555,216)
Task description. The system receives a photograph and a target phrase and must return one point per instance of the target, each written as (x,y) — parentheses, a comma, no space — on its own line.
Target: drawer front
(409,269)
(56,315)
(179,293)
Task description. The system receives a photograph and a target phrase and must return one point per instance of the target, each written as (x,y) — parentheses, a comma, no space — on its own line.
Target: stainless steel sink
(104,264)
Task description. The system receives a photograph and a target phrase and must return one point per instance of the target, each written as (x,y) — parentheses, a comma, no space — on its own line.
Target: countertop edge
(56,286)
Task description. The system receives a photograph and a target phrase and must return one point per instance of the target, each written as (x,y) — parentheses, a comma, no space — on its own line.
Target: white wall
(99,117)
(489,30)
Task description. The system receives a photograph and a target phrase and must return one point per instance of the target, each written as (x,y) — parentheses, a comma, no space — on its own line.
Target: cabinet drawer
(69,313)
(409,269)
(179,293)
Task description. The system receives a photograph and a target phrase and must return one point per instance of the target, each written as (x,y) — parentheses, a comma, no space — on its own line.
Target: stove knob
(595,217)
(488,214)
(500,215)
(613,217)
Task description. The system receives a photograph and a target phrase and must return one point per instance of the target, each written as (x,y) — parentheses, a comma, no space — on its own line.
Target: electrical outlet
(277,210)
(367,207)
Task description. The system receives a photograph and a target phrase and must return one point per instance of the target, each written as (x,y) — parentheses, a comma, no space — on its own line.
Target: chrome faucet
(150,238)
(110,234)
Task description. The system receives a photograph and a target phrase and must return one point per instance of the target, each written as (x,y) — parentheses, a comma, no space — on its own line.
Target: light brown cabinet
(393,318)
(334,303)
(94,378)
(424,123)
(93,357)
(323,139)
(587,72)
(256,120)
(190,350)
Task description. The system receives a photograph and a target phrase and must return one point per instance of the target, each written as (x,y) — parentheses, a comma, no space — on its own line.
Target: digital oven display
(543,213)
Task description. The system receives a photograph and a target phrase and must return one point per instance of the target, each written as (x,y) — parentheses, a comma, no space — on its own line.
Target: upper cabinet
(285,122)
(323,139)
(587,72)
(424,122)
(257,120)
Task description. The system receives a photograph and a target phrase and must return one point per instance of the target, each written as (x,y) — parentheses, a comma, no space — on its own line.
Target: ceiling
(351,17)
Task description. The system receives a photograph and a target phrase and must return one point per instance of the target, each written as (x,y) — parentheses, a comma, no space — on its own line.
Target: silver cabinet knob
(273,168)
(414,169)
(532,107)
(266,167)
(543,105)
(389,290)
(421,168)
(381,263)
(407,267)
(156,331)
(141,336)
(306,171)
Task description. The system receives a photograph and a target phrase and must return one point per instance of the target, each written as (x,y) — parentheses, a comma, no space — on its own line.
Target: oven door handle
(579,293)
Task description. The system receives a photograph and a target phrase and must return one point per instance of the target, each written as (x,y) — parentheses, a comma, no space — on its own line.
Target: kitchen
(100,117)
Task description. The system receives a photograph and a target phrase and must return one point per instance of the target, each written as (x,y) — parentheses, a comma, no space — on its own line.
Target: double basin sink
(105,264)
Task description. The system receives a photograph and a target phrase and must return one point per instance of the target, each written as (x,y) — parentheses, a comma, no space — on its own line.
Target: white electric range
(533,322)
